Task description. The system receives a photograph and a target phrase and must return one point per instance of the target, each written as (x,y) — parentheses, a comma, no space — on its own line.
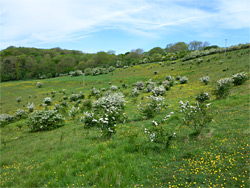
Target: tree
(156,50)
(197,45)
(177,47)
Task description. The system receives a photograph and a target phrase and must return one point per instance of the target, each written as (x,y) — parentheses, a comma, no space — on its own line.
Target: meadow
(75,156)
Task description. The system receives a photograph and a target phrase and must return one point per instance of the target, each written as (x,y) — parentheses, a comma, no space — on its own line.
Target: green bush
(222,88)
(45,120)
(239,78)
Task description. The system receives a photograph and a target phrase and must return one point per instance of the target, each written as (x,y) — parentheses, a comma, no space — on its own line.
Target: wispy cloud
(29,22)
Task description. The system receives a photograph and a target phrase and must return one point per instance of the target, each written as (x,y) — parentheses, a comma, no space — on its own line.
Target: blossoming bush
(95,92)
(19,99)
(239,78)
(6,119)
(39,84)
(166,84)
(150,85)
(20,113)
(73,112)
(47,101)
(139,85)
(160,90)
(30,107)
(202,97)
(113,88)
(205,79)
(197,116)
(153,106)
(45,120)
(183,80)
(135,92)
(159,134)
(170,79)
(222,88)
(89,119)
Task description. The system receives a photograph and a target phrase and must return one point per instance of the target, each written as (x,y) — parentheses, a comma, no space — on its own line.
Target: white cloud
(42,21)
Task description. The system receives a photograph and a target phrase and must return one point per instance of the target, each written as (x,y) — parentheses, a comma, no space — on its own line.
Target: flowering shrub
(89,119)
(166,84)
(183,80)
(178,77)
(30,107)
(170,79)
(111,69)
(47,101)
(154,105)
(111,100)
(239,78)
(135,92)
(73,112)
(19,99)
(45,120)
(205,79)
(196,116)
(39,84)
(113,88)
(139,85)
(95,92)
(5,119)
(202,97)
(158,134)
(150,85)
(160,90)
(20,113)
(222,88)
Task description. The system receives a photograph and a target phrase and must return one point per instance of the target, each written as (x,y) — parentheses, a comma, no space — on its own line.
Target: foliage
(153,106)
(73,112)
(135,92)
(139,85)
(239,78)
(205,79)
(197,116)
(159,90)
(89,119)
(39,84)
(20,113)
(202,97)
(45,120)
(113,88)
(47,101)
(222,88)
(183,80)
(6,119)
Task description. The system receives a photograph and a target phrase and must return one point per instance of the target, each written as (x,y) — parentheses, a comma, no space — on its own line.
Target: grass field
(72,156)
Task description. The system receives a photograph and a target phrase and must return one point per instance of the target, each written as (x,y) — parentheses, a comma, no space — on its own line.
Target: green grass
(72,156)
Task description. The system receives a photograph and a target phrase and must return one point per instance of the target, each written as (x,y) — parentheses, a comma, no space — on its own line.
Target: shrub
(113,88)
(95,92)
(135,92)
(160,90)
(111,69)
(178,77)
(197,116)
(205,79)
(89,120)
(19,99)
(45,120)
(183,80)
(47,101)
(139,85)
(153,106)
(202,97)
(111,100)
(159,134)
(87,71)
(39,84)
(222,88)
(170,79)
(6,119)
(30,107)
(166,84)
(150,85)
(239,78)
(20,113)
(73,112)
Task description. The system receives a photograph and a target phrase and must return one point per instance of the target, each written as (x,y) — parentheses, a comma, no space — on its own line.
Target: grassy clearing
(72,156)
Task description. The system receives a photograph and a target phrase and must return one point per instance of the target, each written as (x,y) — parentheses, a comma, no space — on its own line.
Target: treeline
(27,63)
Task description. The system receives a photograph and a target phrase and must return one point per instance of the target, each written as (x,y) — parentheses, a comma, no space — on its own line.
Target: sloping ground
(72,156)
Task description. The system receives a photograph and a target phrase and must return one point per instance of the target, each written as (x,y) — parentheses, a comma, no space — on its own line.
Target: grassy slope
(73,156)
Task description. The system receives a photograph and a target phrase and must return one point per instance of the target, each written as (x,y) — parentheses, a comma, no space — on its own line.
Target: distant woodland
(20,63)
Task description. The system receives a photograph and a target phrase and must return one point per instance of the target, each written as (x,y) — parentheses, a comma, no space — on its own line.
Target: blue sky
(122,25)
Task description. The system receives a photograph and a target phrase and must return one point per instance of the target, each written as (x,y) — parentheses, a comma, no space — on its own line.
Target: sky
(122,25)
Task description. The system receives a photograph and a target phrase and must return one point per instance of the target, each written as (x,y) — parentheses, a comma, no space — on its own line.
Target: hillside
(74,155)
